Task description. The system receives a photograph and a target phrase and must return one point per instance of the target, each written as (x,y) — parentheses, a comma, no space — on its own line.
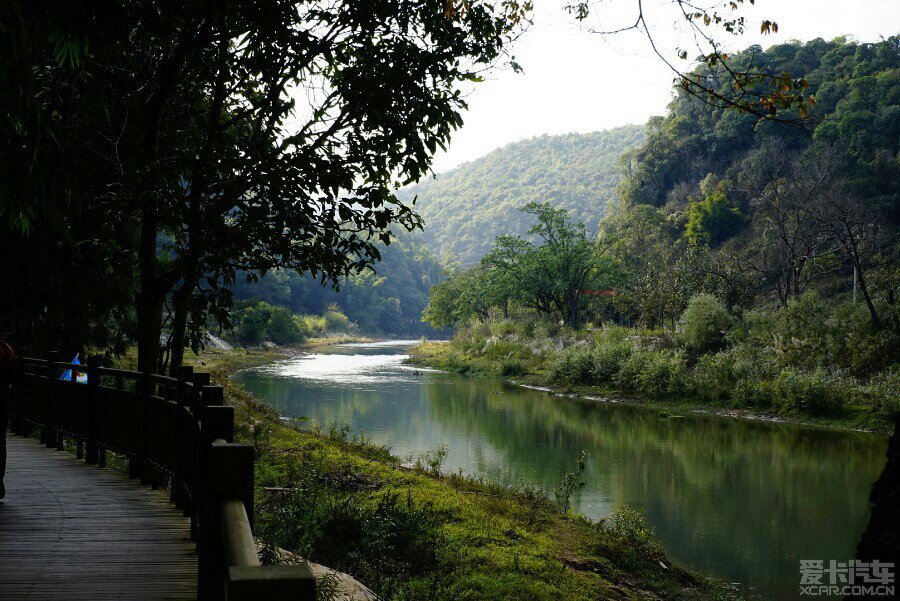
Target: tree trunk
(857,263)
(150,299)
(180,306)
(150,308)
(573,316)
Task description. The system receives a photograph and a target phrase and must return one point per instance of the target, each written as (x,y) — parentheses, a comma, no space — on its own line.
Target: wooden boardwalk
(72,531)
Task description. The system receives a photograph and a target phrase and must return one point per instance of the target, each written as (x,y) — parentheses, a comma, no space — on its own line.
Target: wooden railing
(174,433)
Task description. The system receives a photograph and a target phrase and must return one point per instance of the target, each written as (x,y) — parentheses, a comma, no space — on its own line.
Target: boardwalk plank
(72,531)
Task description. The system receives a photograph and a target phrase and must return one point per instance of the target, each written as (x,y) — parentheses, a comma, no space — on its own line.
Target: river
(739,499)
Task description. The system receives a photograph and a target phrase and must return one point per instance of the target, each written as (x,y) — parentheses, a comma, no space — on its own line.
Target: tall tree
(856,222)
(790,250)
(553,273)
(265,133)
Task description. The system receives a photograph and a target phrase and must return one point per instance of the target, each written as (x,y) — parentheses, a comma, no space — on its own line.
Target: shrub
(873,352)
(802,332)
(383,545)
(611,334)
(512,367)
(883,391)
(572,482)
(497,349)
(752,392)
(630,370)
(654,373)
(253,323)
(283,327)
(663,374)
(755,329)
(335,320)
(714,376)
(704,323)
(573,365)
(400,540)
(628,537)
(314,324)
(810,392)
(607,361)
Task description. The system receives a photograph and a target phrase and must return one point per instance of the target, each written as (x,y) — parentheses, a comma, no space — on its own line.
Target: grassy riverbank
(409,532)
(761,373)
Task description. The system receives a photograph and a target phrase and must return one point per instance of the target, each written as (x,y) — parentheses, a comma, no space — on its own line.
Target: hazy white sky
(578,81)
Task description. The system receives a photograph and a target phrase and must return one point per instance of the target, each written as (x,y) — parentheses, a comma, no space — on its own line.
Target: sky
(576,80)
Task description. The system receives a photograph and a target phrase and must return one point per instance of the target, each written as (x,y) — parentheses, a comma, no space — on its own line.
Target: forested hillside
(388,300)
(466,208)
(762,211)
(745,262)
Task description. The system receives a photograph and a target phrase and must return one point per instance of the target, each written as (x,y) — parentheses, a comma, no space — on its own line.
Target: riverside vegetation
(807,361)
(409,531)
(742,265)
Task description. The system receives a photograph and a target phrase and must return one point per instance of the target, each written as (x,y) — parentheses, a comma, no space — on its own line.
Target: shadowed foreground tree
(66,277)
(255,135)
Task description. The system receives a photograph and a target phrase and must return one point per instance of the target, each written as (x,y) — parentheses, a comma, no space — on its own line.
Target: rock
(346,587)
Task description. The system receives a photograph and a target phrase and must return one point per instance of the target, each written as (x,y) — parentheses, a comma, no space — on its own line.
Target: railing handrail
(174,431)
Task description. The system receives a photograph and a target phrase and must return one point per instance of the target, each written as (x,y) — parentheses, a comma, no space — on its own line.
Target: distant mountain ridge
(467,207)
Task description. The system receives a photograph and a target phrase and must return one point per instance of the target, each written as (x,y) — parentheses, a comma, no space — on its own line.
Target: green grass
(411,533)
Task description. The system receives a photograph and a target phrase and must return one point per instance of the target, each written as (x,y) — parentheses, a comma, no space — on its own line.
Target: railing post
(48,436)
(200,380)
(211,395)
(185,374)
(15,420)
(60,446)
(92,454)
(229,476)
(218,423)
(141,457)
(24,429)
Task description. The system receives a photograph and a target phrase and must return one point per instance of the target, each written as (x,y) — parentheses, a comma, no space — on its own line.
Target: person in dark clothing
(7,358)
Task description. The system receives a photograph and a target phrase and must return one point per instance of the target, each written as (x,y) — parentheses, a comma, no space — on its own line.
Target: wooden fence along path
(89,534)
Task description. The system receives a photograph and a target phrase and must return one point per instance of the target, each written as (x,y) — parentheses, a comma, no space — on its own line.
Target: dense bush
(809,392)
(803,334)
(283,327)
(663,374)
(258,322)
(627,535)
(714,376)
(253,323)
(753,393)
(884,392)
(607,361)
(806,358)
(654,373)
(384,546)
(574,365)
(335,320)
(704,323)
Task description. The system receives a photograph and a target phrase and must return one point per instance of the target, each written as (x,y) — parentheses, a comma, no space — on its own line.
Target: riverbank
(411,532)
(537,373)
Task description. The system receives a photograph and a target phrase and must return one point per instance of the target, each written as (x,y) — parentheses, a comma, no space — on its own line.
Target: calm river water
(739,499)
